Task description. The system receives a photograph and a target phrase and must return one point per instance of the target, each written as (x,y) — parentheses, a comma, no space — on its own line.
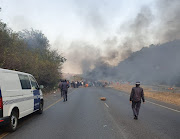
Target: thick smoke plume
(129,55)
(82,56)
(154,65)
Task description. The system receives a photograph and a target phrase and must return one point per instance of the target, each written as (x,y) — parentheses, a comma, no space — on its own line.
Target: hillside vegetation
(153,65)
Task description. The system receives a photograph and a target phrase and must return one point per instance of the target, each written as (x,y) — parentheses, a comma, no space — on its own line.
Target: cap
(138,83)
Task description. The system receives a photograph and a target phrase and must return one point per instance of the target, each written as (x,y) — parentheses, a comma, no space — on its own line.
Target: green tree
(29,51)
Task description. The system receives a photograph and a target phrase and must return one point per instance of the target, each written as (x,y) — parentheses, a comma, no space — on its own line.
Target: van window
(25,83)
(33,82)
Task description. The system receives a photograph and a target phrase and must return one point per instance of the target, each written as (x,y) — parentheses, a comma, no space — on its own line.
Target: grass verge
(164,96)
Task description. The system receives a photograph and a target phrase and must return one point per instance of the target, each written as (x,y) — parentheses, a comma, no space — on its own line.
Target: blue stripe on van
(1,110)
(0,93)
(37,99)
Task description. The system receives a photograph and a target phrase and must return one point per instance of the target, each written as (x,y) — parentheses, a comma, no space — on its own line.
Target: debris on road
(103,98)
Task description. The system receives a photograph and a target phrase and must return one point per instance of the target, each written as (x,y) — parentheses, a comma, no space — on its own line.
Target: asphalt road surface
(84,116)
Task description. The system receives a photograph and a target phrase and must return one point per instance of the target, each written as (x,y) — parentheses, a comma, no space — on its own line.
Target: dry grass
(172,98)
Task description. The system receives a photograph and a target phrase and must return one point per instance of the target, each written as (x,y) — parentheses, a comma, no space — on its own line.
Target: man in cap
(137,94)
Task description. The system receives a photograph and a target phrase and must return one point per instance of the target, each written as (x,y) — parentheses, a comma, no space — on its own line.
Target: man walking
(65,87)
(137,94)
(60,87)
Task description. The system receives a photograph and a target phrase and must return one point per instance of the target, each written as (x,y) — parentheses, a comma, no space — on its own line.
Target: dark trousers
(64,95)
(61,93)
(135,107)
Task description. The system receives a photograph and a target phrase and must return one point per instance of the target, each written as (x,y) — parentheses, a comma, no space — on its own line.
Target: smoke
(157,64)
(82,57)
(169,19)
(145,48)
(138,30)
(131,37)
(91,16)
(20,23)
(153,65)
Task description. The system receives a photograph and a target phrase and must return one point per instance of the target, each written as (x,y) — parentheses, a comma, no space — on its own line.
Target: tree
(35,39)
(29,51)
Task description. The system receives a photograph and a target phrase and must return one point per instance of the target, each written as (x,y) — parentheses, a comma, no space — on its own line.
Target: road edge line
(163,106)
(159,104)
(52,104)
(3,135)
(55,103)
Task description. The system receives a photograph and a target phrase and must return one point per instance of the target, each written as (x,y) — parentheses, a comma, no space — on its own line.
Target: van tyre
(12,126)
(40,111)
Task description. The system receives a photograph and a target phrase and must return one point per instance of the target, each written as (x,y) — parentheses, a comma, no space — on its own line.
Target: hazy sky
(66,21)
(70,20)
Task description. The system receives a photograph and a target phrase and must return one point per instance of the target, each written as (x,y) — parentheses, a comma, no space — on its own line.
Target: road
(84,116)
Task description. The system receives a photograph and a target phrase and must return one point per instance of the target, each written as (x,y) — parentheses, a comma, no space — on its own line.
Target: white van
(20,95)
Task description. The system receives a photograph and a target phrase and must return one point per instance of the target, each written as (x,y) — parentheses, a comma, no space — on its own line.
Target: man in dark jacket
(65,87)
(60,87)
(137,94)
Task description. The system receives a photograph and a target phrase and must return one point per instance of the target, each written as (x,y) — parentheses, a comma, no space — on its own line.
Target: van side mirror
(41,86)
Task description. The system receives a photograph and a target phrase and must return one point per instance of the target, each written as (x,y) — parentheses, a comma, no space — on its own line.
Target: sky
(67,21)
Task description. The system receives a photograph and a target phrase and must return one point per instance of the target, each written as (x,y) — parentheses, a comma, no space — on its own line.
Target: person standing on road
(137,94)
(60,88)
(65,87)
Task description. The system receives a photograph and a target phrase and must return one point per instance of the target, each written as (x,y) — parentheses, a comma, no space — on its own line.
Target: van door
(26,104)
(36,92)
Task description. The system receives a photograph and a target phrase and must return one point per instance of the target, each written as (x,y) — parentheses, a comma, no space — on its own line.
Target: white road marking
(162,106)
(106,105)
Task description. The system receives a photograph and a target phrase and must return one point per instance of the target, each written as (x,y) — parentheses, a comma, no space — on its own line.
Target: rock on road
(85,116)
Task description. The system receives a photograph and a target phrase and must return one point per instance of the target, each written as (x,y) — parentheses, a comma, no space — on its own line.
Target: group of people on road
(137,94)
(76,84)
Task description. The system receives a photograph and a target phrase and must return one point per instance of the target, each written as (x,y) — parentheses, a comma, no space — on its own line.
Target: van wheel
(12,126)
(40,111)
